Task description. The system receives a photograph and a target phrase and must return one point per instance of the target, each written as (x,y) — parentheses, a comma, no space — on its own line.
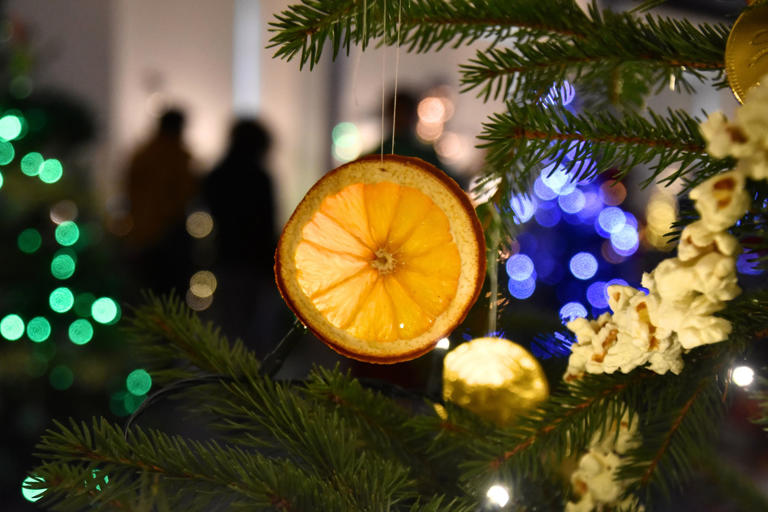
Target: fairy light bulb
(743,376)
(498,495)
(443,344)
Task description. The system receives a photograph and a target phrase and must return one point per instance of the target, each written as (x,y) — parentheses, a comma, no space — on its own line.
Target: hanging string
(383,69)
(356,65)
(397,68)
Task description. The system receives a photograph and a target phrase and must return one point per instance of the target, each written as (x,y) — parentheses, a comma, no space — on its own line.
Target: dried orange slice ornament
(382,258)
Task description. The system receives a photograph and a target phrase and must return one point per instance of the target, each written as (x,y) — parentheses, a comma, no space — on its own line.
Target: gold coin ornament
(746,52)
(494,378)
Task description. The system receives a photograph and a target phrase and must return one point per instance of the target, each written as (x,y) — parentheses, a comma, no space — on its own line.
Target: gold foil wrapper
(746,52)
(494,378)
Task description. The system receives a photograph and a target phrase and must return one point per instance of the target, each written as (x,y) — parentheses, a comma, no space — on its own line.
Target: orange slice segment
(382,258)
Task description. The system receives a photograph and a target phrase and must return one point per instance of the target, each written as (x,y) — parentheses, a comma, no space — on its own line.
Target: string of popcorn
(677,314)
(595,480)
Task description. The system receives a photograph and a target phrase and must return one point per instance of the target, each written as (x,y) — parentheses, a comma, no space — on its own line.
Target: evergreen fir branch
(561,427)
(303,28)
(178,345)
(658,48)
(228,477)
(531,134)
(647,5)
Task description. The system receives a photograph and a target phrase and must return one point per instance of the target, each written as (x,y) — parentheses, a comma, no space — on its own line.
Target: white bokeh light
(742,376)
(498,495)
(443,344)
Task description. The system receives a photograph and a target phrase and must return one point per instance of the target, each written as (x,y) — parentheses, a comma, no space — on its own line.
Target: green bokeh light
(83,304)
(51,171)
(6,152)
(61,377)
(80,331)
(95,475)
(38,329)
(117,403)
(32,163)
(67,233)
(32,494)
(63,266)
(138,382)
(10,127)
(29,240)
(1,180)
(12,327)
(61,300)
(104,310)
(132,402)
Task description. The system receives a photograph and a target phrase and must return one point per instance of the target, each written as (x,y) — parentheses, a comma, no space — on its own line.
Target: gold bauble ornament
(494,378)
(746,52)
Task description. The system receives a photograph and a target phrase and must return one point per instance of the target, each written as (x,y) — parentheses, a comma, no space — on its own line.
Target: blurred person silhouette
(239,194)
(160,184)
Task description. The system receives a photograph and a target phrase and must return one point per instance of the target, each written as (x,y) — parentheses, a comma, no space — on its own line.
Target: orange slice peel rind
(382,258)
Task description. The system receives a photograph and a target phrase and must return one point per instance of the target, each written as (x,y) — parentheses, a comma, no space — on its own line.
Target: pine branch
(303,28)
(228,477)
(178,345)
(659,48)
(533,134)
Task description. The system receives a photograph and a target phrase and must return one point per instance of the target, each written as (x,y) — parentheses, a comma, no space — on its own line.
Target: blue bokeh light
(572,310)
(583,265)
(560,94)
(519,267)
(542,191)
(597,296)
(625,239)
(748,264)
(523,207)
(522,289)
(612,219)
(630,219)
(556,177)
(573,202)
(548,214)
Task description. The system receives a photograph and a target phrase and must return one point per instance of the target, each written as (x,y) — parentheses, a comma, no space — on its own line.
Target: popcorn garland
(677,314)
(594,481)
(653,330)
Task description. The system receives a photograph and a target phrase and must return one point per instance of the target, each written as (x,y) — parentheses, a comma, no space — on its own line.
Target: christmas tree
(638,407)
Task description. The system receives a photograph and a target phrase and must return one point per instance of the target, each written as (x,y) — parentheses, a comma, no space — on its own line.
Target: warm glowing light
(429,132)
(743,376)
(32,494)
(51,171)
(38,329)
(443,344)
(196,303)
(12,327)
(138,382)
(660,214)
(432,110)
(199,224)
(80,331)
(498,495)
(29,240)
(613,193)
(63,211)
(32,163)
(203,284)
(450,146)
